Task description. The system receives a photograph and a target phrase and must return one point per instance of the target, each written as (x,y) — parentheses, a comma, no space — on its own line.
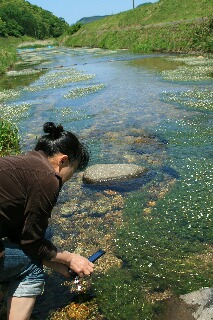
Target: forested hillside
(90,19)
(167,25)
(19,18)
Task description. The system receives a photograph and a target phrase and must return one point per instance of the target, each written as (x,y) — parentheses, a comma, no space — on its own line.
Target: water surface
(126,111)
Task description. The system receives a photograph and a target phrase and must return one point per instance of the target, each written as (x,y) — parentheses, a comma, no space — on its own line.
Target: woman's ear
(63,160)
(59,161)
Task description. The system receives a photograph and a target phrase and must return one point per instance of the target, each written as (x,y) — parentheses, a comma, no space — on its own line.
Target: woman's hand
(81,266)
(78,264)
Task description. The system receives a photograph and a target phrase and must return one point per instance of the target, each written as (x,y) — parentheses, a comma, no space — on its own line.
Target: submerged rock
(101,173)
(197,305)
(202,301)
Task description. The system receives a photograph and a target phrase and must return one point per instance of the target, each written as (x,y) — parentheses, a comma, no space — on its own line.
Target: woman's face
(67,172)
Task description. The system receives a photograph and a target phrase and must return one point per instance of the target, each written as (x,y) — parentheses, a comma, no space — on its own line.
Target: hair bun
(51,128)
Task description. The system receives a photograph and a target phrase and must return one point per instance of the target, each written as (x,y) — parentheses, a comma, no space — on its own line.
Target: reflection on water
(156,64)
(138,116)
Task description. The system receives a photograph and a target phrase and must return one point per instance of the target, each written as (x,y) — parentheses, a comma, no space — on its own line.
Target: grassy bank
(8,49)
(167,25)
(7,53)
(9,136)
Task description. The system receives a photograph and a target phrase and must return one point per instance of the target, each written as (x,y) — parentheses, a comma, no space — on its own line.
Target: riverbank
(165,26)
(186,36)
(8,54)
(8,49)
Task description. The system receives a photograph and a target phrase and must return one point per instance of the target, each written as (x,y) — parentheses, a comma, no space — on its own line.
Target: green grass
(167,25)
(9,138)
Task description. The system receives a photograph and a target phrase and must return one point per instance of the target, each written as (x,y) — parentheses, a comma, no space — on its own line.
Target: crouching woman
(29,188)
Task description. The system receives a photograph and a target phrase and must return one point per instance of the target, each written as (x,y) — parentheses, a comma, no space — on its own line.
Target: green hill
(90,19)
(19,18)
(168,25)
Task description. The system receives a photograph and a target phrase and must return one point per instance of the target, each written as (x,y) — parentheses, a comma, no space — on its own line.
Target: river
(152,110)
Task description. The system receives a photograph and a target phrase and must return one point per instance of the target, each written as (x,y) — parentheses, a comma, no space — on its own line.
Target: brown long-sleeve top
(29,188)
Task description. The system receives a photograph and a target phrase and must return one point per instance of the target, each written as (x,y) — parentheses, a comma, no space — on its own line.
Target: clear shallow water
(130,99)
(128,120)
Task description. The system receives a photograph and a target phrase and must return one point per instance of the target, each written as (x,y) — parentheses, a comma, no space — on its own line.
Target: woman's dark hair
(58,140)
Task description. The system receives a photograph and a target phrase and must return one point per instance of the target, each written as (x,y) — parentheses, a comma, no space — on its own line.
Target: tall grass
(9,138)
(7,53)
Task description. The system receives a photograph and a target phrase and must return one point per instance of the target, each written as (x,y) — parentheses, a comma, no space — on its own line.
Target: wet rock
(101,173)
(197,305)
(202,301)
(170,171)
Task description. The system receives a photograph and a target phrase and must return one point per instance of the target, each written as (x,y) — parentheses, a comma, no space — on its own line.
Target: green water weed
(68,114)
(121,296)
(83,91)
(14,113)
(24,72)
(201,100)
(163,249)
(59,79)
(187,73)
(196,69)
(9,94)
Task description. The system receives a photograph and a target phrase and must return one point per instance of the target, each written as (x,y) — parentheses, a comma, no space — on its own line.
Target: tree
(19,17)
(3,29)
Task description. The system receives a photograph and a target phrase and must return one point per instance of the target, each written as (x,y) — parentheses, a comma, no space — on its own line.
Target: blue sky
(73,11)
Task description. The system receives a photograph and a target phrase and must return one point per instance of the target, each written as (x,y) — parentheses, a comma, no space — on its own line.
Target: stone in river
(102,173)
(196,305)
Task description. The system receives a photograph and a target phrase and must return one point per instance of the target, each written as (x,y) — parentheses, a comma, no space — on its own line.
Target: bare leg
(57,267)
(20,308)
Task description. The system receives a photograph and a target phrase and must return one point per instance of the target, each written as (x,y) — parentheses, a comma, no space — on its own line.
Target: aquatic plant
(68,114)
(186,73)
(121,295)
(24,72)
(8,94)
(201,100)
(59,79)
(165,235)
(9,138)
(196,69)
(193,60)
(14,112)
(29,58)
(83,91)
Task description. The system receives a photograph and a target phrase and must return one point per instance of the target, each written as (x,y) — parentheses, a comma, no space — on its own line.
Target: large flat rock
(202,301)
(196,305)
(102,173)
